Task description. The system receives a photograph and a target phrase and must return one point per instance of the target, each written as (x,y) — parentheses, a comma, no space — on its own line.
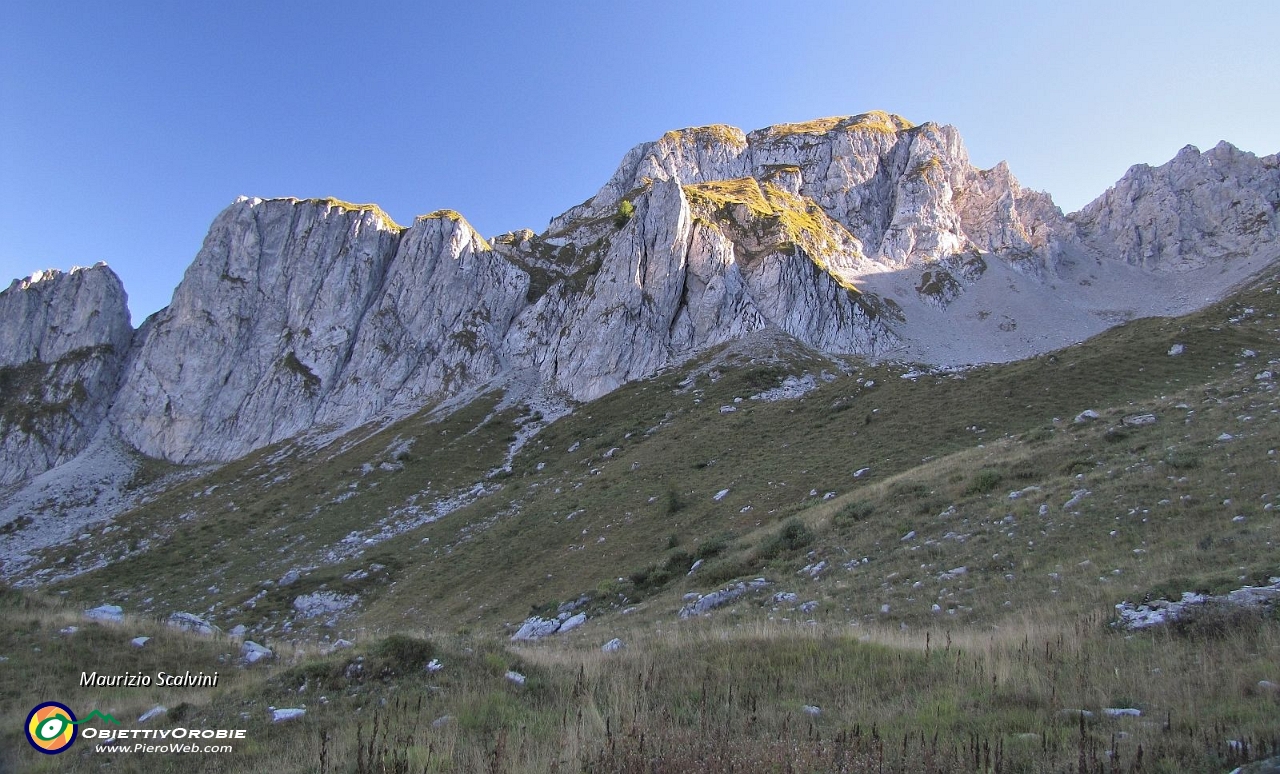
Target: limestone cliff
(1197,210)
(62,339)
(259,330)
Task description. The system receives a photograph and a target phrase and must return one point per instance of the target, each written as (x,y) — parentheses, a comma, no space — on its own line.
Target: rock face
(859,235)
(63,337)
(1197,210)
(258,331)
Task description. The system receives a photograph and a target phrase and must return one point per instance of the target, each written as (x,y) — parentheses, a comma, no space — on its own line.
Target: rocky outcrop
(906,192)
(260,329)
(62,340)
(1197,210)
(436,326)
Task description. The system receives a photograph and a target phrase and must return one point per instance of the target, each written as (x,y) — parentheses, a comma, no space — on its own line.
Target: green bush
(853,512)
(625,210)
(793,536)
(402,653)
(1182,460)
(985,482)
(711,547)
(679,562)
(674,503)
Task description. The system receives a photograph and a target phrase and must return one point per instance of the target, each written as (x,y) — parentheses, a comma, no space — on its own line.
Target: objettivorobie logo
(51,727)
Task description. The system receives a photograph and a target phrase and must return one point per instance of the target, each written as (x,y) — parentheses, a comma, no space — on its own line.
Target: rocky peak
(259,329)
(62,340)
(52,313)
(907,193)
(1191,212)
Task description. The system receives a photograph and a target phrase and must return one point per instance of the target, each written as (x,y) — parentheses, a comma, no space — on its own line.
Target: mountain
(863,235)
(715,440)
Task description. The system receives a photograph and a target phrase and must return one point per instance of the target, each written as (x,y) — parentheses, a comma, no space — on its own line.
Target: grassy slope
(944,452)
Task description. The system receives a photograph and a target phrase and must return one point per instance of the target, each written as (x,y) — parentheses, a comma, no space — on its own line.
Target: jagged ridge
(864,234)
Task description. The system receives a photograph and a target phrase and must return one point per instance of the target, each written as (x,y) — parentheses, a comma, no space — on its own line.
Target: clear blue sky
(125,127)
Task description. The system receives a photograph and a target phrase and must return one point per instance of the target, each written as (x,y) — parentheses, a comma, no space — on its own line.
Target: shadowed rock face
(63,337)
(862,235)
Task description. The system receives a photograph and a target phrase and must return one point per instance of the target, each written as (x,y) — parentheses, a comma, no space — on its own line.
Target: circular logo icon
(51,727)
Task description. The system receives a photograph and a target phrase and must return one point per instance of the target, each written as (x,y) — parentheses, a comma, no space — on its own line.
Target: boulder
(192,623)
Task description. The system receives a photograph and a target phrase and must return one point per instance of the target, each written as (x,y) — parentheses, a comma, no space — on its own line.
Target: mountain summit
(864,235)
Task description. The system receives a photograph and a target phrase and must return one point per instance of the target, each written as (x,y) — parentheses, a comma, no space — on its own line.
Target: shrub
(1220,622)
(674,503)
(679,562)
(402,653)
(1182,460)
(724,570)
(712,547)
(793,536)
(985,482)
(625,210)
(853,512)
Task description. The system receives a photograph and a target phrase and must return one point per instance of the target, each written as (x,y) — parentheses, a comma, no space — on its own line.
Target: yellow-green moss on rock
(873,121)
(714,133)
(329,201)
(796,220)
(456,217)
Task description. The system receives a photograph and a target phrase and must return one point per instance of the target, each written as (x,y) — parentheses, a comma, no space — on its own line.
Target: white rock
(516,677)
(720,495)
(860,472)
(571,623)
(322,603)
(192,623)
(612,645)
(154,712)
(811,710)
(251,652)
(535,627)
(1077,496)
(139,642)
(1121,712)
(434,665)
(1085,416)
(1176,349)
(705,603)
(113,613)
(281,715)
